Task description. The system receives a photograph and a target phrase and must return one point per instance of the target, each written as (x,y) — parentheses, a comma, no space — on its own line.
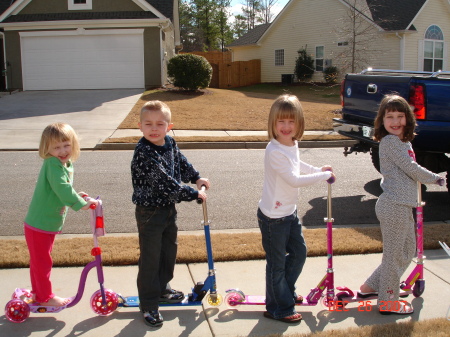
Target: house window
(279,57)
(433,51)
(319,58)
(342,44)
(79,4)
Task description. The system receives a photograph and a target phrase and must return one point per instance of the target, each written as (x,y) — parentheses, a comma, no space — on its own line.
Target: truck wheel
(375,158)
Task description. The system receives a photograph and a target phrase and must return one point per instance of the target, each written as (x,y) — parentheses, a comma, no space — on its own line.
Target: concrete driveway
(94,114)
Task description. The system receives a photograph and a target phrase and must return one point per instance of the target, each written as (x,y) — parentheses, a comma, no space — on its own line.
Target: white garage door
(91,59)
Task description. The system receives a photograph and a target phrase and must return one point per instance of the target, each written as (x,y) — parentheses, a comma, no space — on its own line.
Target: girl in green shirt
(53,194)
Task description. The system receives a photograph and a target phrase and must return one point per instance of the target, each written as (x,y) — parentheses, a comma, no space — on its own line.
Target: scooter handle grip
(86,197)
(332,179)
(200,200)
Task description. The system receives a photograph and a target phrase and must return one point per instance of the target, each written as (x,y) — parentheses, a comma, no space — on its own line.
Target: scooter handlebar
(86,197)
(200,200)
(332,179)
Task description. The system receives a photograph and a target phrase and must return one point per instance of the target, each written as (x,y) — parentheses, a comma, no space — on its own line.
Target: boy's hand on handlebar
(327,168)
(202,182)
(202,195)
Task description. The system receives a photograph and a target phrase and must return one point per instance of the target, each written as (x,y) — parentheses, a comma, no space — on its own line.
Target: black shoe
(172,296)
(153,318)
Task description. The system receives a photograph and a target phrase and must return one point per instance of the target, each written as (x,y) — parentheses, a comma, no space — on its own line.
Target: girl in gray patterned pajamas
(394,129)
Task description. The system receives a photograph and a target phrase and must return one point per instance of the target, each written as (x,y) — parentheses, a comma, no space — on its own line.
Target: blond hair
(156,106)
(58,132)
(286,107)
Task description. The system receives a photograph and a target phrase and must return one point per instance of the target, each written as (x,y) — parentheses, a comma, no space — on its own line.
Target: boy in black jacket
(157,170)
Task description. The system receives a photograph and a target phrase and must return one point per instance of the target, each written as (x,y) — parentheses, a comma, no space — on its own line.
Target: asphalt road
(236,177)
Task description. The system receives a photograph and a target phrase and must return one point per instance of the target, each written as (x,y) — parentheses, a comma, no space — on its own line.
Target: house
(86,44)
(390,34)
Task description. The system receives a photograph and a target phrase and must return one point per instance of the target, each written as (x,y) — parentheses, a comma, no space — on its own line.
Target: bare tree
(357,35)
(266,10)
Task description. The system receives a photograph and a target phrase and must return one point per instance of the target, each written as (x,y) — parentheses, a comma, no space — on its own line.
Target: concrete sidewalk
(95,116)
(200,321)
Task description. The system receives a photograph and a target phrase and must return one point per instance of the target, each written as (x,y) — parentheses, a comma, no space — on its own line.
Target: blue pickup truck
(428,94)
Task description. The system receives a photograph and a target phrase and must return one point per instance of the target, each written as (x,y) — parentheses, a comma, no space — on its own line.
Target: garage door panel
(82,62)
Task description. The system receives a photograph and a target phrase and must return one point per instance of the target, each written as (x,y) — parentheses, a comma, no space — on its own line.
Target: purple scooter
(103,302)
(236,297)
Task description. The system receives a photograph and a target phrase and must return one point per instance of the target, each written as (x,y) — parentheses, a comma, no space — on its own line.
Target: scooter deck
(133,301)
(261,300)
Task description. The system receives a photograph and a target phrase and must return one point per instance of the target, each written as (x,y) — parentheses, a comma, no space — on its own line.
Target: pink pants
(40,247)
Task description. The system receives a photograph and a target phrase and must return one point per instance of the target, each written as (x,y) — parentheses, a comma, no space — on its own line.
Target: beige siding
(435,12)
(311,23)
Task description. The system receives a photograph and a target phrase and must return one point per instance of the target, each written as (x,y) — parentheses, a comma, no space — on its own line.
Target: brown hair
(390,103)
(286,107)
(156,106)
(59,132)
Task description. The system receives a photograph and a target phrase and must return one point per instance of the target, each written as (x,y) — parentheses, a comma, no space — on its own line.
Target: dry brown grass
(226,247)
(237,110)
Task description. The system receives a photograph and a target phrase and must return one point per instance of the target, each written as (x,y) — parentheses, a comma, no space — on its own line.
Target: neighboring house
(400,34)
(86,44)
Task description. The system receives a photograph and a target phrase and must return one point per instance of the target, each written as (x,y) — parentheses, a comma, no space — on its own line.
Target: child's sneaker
(172,296)
(153,318)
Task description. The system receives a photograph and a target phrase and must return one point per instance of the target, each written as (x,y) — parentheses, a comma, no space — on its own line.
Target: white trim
(147,7)
(417,14)
(81,31)
(4,59)
(14,9)
(72,6)
(116,23)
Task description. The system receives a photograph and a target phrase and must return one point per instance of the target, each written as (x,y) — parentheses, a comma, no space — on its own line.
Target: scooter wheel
(326,303)
(419,288)
(17,311)
(214,300)
(111,302)
(233,300)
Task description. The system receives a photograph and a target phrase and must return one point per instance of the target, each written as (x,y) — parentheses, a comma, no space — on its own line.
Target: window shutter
(420,56)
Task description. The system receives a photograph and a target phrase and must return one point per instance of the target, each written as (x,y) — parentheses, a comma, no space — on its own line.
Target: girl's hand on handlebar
(202,182)
(91,204)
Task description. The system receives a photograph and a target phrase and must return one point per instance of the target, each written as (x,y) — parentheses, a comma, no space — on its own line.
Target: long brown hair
(390,103)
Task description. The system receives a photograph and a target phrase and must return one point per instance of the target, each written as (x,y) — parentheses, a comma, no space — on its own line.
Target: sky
(237,4)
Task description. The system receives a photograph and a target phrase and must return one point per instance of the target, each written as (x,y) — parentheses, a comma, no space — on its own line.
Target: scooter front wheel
(233,299)
(326,303)
(214,300)
(111,302)
(419,288)
(17,311)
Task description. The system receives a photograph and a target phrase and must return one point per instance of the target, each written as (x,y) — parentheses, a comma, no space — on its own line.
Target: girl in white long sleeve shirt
(281,230)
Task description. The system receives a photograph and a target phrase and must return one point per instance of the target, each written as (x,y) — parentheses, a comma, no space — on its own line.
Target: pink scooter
(236,297)
(415,282)
(103,301)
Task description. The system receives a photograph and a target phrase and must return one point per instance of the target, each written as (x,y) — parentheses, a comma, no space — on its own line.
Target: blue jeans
(285,248)
(158,251)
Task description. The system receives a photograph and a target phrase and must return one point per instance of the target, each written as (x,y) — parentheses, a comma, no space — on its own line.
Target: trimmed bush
(330,74)
(189,72)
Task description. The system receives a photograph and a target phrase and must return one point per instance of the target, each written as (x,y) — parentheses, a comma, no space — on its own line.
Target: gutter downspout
(402,51)
(164,27)
(3,66)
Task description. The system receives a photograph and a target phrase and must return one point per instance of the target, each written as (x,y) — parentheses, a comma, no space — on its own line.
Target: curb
(229,145)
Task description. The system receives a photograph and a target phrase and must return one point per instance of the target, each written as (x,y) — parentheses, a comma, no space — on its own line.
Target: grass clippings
(124,250)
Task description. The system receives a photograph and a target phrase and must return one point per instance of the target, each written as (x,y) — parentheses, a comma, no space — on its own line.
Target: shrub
(189,72)
(330,74)
(304,65)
